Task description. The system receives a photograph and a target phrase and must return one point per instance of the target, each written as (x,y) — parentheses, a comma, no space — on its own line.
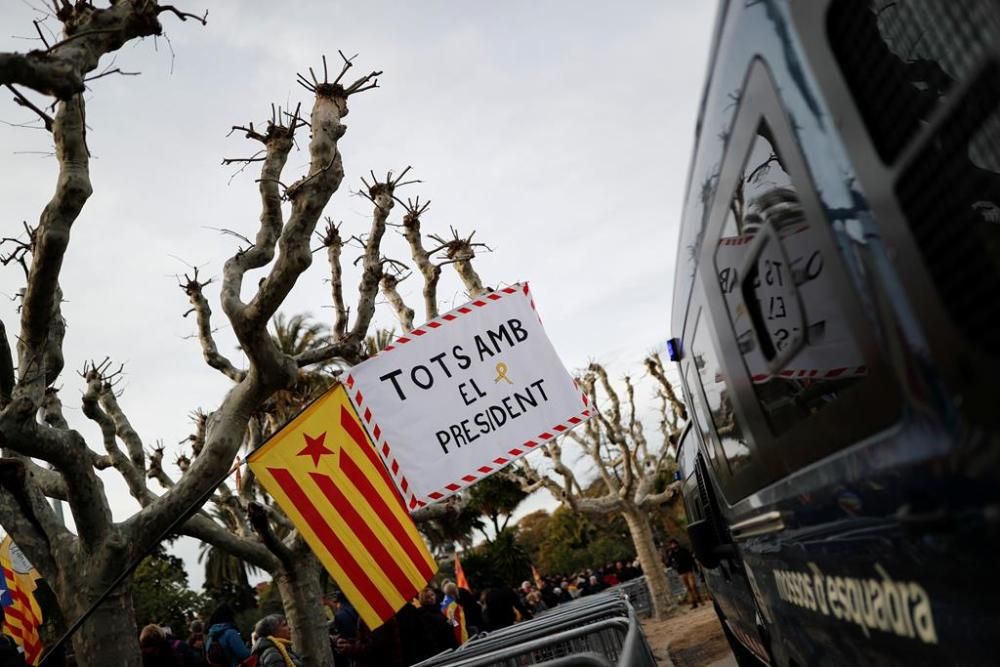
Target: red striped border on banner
(385,449)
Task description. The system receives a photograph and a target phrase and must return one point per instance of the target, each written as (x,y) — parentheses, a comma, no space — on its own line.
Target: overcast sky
(559,131)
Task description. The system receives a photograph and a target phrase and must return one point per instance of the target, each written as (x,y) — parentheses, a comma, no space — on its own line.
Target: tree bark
(302,597)
(645,547)
(106,637)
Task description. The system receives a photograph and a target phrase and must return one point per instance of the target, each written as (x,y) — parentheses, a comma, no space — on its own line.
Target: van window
(689,450)
(700,411)
(796,343)
(718,396)
(904,61)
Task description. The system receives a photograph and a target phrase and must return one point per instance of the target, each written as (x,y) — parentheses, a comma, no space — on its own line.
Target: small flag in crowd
(22,615)
(460,579)
(324,472)
(536,576)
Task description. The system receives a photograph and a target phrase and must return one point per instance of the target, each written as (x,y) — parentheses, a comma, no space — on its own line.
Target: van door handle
(762,524)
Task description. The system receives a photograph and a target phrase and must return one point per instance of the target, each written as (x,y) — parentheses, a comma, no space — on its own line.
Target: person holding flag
(452,610)
(470,606)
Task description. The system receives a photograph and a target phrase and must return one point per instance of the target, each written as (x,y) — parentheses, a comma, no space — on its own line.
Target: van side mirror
(704,543)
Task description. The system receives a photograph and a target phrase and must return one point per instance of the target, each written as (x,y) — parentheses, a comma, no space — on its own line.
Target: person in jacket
(437,634)
(502,608)
(454,613)
(224,647)
(381,647)
(681,560)
(472,610)
(273,646)
(343,626)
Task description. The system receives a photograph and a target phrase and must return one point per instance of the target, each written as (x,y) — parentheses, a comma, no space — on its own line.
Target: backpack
(216,655)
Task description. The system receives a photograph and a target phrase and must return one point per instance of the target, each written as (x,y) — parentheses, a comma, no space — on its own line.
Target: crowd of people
(437,619)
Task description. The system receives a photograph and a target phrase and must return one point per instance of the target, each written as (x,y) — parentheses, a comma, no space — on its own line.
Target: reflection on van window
(701,412)
(902,58)
(720,405)
(689,450)
(951,195)
(793,307)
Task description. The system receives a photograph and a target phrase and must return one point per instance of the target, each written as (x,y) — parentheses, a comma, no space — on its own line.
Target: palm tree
(298,333)
(377,341)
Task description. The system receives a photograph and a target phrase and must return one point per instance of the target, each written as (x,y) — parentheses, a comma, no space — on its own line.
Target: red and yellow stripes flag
(22,615)
(324,472)
(460,579)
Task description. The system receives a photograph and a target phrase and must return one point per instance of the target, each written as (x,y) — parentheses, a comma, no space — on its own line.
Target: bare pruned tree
(81,566)
(633,473)
(253,519)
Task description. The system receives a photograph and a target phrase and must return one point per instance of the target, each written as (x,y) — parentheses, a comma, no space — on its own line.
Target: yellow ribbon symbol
(502,373)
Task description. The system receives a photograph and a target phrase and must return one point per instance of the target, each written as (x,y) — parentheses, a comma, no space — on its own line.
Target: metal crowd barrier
(547,624)
(637,593)
(601,630)
(677,587)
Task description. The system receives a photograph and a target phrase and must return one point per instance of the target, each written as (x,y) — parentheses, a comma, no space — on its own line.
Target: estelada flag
(22,615)
(460,579)
(324,472)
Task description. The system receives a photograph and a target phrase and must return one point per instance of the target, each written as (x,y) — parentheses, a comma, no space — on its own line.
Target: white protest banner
(464,395)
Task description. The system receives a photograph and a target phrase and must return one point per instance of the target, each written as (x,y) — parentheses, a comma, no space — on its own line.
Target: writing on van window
(787,303)
(878,602)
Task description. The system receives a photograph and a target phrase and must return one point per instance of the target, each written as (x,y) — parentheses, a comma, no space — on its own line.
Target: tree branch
(403,312)
(655,367)
(92,410)
(334,245)
(430,271)
(28,104)
(258,519)
(203,313)
(39,307)
(381,194)
(461,252)
(25,513)
(251,551)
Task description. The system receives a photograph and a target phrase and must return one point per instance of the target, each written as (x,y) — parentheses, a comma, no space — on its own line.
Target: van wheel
(744,656)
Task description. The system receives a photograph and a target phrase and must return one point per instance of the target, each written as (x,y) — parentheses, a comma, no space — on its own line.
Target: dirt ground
(692,638)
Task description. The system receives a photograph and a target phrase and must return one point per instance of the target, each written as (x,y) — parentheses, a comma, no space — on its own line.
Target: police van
(837,319)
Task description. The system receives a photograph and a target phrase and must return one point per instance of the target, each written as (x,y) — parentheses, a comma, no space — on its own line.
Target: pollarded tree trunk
(106,637)
(302,597)
(645,547)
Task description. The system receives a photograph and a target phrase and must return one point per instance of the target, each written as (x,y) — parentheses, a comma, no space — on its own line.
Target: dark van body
(837,301)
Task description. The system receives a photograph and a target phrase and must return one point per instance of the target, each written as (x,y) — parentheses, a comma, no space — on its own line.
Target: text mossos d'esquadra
(519,396)
(900,607)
